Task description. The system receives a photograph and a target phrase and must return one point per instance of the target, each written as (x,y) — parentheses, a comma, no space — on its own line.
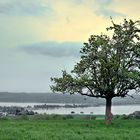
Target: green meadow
(68,128)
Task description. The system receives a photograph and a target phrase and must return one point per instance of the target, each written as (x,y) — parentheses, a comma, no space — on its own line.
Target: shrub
(67,117)
(24,117)
(56,116)
(116,117)
(124,117)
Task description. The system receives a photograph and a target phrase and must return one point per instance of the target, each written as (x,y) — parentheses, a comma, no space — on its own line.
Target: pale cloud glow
(39,38)
(128,7)
(105,11)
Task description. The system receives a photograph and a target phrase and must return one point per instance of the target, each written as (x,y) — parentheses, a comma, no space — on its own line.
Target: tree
(109,67)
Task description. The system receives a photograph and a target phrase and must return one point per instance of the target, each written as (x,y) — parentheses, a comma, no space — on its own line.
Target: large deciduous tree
(109,66)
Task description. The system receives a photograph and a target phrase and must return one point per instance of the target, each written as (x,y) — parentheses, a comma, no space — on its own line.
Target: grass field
(69,129)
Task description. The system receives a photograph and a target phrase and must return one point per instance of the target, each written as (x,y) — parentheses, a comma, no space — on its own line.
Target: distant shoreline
(43,98)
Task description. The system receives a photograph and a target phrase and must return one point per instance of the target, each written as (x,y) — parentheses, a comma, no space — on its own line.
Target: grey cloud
(54,49)
(24,8)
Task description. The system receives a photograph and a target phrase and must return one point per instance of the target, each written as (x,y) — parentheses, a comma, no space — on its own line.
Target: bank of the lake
(116,109)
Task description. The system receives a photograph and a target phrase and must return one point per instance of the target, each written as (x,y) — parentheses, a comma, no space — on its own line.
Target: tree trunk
(108,115)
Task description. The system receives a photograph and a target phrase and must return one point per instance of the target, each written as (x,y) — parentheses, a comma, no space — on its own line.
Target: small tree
(109,67)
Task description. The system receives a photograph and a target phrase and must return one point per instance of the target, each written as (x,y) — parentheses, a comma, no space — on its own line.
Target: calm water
(122,109)
(96,110)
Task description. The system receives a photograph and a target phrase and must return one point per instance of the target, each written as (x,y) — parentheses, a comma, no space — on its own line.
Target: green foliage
(51,117)
(66,117)
(24,117)
(124,117)
(109,67)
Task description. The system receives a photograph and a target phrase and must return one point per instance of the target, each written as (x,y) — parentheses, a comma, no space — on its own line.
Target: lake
(116,109)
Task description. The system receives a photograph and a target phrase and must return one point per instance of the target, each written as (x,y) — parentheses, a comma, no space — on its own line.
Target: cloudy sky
(39,38)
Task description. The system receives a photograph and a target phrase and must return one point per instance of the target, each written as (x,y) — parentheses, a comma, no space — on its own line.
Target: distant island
(63,98)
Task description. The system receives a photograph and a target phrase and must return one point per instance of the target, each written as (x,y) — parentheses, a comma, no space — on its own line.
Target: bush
(56,117)
(3,118)
(124,117)
(116,117)
(134,115)
(47,117)
(67,117)
(24,117)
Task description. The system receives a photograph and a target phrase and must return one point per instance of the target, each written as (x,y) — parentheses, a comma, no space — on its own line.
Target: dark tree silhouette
(109,67)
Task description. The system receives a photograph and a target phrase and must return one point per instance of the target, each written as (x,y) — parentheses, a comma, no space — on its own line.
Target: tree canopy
(109,66)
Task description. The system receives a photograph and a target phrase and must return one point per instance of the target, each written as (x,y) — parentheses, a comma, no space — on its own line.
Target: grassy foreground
(69,129)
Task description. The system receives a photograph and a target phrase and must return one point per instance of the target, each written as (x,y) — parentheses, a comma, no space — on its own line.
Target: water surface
(117,109)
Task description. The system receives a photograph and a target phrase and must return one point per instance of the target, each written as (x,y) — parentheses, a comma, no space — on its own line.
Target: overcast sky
(39,38)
